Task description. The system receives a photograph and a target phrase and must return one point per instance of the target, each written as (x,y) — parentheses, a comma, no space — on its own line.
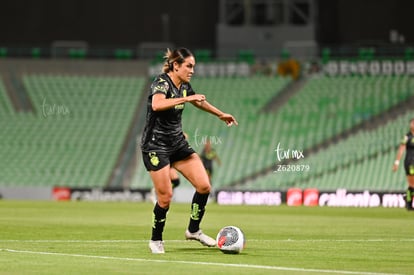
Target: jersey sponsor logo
(179,106)
(154,159)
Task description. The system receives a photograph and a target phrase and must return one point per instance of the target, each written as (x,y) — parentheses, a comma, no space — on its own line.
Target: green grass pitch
(112,238)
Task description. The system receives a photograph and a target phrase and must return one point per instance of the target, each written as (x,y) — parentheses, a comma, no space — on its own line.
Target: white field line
(260,267)
(248,240)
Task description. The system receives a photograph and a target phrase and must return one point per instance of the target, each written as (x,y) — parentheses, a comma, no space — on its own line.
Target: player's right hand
(196,97)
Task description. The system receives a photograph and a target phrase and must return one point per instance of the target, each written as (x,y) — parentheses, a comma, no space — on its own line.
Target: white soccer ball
(230,240)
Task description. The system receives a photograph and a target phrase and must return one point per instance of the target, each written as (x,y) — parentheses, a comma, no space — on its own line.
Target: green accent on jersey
(155,221)
(195,212)
(184,93)
(161,86)
(161,89)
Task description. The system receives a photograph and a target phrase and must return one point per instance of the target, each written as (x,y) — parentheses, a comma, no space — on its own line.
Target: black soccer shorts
(154,160)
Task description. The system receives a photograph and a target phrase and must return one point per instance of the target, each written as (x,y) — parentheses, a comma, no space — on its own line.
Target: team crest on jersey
(154,159)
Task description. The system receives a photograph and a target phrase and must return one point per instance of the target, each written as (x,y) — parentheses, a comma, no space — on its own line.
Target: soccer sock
(175,183)
(409,197)
(159,215)
(197,211)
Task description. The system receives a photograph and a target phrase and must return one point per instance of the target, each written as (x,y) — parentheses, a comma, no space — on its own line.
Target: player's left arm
(206,106)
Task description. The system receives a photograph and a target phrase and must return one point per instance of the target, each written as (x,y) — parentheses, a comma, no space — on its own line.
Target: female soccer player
(163,144)
(407,145)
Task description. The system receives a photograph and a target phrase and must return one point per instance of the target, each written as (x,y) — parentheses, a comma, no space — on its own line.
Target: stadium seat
(3,52)
(123,54)
(246,56)
(36,52)
(203,55)
(326,55)
(409,53)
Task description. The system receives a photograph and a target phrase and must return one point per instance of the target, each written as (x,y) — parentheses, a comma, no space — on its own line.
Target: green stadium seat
(246,56)
(409,53)
(366,53)
(3,52)
(326,55)
(285,54)
(36,52)
(76,53)
(123,54)
(203,55)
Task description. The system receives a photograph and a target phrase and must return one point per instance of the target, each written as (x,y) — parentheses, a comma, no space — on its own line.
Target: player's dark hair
(177,55)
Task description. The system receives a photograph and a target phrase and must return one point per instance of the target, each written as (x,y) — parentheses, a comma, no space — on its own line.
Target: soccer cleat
(201,237)
(157,247)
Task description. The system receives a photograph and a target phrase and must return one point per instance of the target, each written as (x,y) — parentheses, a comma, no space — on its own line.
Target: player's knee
(204,189)
(164,199)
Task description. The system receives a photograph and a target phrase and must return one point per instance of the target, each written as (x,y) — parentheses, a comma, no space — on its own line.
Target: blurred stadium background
(331,79)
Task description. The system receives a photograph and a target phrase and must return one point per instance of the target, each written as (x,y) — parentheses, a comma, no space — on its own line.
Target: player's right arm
(161,103)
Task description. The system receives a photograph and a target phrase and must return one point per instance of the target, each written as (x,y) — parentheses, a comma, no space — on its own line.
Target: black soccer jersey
(409,145)
(163,130)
